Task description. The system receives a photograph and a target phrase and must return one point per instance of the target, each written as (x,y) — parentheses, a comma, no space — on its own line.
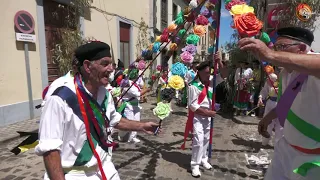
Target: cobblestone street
(160,157)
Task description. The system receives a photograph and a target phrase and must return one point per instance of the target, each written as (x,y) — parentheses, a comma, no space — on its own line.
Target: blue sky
(225,30)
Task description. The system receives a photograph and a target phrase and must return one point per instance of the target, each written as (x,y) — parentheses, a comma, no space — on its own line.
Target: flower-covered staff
(71,149)
(269,94)
(199,102)
(130,104)
(162,110)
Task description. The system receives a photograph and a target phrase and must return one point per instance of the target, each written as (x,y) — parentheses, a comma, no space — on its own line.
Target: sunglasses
(281,47)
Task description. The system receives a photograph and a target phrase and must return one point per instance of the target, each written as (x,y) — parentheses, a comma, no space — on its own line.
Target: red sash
(189,124)
(135,85)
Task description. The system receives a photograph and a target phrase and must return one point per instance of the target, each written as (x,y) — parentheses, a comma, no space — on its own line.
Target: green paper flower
(265,38)
(193,39)
(179,21)
(180,14)
(227,1)
(181,33)
(125,72)
(162,110)
(133,74)
(116,92)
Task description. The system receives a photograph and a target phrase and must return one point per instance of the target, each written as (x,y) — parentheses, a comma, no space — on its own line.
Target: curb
(15,137)
(247,120)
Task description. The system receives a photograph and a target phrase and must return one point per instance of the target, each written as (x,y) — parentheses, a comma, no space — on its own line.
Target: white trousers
(200,141)
(132,114)
(275,124)
(286,159)
(108,167)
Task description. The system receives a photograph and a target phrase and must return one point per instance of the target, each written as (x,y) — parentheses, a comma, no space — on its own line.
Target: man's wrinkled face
(287,45)
(100,71)
(204,75)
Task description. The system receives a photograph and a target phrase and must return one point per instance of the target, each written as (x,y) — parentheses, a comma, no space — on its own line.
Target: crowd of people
(81,109)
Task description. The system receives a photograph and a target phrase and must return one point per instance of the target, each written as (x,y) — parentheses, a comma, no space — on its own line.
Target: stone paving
(160,157)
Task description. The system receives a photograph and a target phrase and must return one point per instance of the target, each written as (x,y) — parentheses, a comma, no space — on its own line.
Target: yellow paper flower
(173,46)
(176,82)
(241,9)
(158,38)
(150,47)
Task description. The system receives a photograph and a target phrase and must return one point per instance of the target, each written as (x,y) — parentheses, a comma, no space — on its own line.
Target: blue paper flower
(210,50)
(179,69)
(144,53)
(156,47)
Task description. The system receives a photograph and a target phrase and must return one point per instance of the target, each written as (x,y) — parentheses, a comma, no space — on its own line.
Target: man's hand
(260,102)
(149,127)
(258,48)
(218,56)
(263,126)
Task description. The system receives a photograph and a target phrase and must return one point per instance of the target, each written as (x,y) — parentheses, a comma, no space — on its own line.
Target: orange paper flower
(248,24)
(269,69)
(172,27)
(199,30)
(173,46)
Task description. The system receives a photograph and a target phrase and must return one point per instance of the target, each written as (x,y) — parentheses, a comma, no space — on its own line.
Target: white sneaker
(134,140)
(207,165)
(119,138)
(195,171)
(253,115)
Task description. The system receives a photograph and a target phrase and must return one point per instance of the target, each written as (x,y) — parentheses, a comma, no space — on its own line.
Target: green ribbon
(200,87)
(304,168)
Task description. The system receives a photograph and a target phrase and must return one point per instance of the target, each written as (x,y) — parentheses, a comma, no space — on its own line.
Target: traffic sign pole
(26,54)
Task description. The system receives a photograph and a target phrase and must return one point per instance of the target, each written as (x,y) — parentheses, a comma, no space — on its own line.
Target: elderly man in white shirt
(72,137)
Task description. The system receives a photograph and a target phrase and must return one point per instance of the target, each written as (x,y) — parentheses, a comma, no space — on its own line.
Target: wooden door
(55,23)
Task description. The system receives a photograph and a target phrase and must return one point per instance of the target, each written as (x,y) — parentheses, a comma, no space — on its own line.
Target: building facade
(113,22)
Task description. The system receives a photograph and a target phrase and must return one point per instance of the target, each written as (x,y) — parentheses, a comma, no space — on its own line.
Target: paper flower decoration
(205,12)
(216,106)
(125,72)
(159,67)
(141,65)
(199,30)
(186,57)
(248,25)
(158,38)
(116,92)
(201,20)
(156,47)
(173,47)
(210,50)
(265,38)
(144,53)
(150,47)
(179,20)
(233,3)
(192,49)
(210,6)
(193,39)
(179,69)
(124,83)
(172,28)
(176,82)
(164,38)
(186,11)
(269,69)
(193,3)
(241,9)
(181,33)
(177,40)
(162,110)
(167,94)
(133,74)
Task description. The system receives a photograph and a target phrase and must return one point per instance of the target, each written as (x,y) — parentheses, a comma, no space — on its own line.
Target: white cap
(273,77)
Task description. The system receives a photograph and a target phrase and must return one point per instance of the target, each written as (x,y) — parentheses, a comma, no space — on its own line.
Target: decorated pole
(219,3)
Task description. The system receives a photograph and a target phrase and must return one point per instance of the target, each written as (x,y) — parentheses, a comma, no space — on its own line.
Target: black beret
(92,51)
(203,65)
(297,33)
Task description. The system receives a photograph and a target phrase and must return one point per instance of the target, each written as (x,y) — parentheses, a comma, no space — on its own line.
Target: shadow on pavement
(232,171)
(180,113)
(249,143)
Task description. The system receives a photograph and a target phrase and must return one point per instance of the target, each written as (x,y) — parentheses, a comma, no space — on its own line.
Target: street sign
(273,16)
(26,37)
(24,22)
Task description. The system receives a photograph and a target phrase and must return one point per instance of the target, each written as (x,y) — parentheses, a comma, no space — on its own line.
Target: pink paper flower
(186,57)
(201,20)
(141,65)
(232,3)
(159,67)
